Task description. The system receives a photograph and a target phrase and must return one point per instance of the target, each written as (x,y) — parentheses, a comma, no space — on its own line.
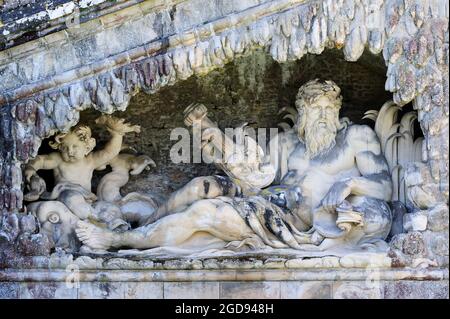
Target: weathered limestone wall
(274,277)
(350,289)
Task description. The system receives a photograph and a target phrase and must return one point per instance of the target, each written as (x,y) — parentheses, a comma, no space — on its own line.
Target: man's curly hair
(308,93)
(316,88)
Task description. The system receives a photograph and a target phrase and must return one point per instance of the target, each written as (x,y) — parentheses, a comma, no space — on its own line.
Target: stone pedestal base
(225,283)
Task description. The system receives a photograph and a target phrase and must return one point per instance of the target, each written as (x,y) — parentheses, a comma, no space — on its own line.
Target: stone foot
(93,236)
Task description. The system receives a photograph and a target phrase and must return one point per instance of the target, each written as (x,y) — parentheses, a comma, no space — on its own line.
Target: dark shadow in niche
(47,175)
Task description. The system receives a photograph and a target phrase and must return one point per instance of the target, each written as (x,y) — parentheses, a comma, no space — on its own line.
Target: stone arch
(411,36)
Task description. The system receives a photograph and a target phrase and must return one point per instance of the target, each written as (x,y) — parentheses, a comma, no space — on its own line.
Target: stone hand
(117,125)
(194,112)
(142,162)
(37,187)
(335,196)
(208,146)
(29,173)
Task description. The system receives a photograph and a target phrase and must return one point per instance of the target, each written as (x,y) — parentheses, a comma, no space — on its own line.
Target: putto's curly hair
(83,132)
(309,92)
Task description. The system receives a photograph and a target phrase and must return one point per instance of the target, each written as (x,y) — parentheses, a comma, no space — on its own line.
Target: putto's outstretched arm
(49,161)
(118,128)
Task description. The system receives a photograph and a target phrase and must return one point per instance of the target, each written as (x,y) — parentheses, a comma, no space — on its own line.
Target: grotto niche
(253,89)
(349,175)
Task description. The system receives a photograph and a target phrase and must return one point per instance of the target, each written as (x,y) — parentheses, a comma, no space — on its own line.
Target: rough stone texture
(438,218)
(9,290)
(251,290)
(101,290)
(144,290)
(191,290)
(230,290)
(46,291)
(306,290)
(416,290)
(358,290)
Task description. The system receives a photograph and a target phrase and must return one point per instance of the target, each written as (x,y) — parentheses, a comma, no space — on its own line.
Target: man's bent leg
(212,216)
(203,187)
(77,204)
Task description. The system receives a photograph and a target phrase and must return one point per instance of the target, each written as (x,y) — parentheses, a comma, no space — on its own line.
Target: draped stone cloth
(267,221)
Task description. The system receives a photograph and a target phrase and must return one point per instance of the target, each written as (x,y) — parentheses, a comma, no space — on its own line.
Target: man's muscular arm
(375,180)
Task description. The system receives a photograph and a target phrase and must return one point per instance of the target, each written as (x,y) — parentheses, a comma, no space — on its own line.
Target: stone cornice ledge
(35,20)
(39,275)
(186,38)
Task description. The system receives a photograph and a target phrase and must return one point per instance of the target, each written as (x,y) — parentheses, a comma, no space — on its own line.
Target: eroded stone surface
(416,290)
(191,290)
(144,290)
(306,290)
(101,290)
(252,290)
(9,290)
(358,290)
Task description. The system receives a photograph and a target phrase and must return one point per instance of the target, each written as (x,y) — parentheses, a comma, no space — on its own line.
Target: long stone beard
(319,140)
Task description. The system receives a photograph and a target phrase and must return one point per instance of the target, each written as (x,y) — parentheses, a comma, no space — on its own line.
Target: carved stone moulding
(87,277)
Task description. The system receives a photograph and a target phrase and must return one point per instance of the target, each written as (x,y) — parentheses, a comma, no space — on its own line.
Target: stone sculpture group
(327,187)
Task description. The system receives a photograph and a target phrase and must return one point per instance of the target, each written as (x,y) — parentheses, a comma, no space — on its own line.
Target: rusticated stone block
(34,244)
(250,290)
(89,50)
(38,66)
(101,290)
(4,57)
(415,222)
(59,37)
(413,244)
(47,290)
(143,290)
(9,290)
(189,290)
(10,77)
(416,290)
(66,58)
(89,27)
(438,218)
(306,290)
(369,289)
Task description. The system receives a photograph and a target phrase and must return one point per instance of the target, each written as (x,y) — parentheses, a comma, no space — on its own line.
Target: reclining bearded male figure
(334,185)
